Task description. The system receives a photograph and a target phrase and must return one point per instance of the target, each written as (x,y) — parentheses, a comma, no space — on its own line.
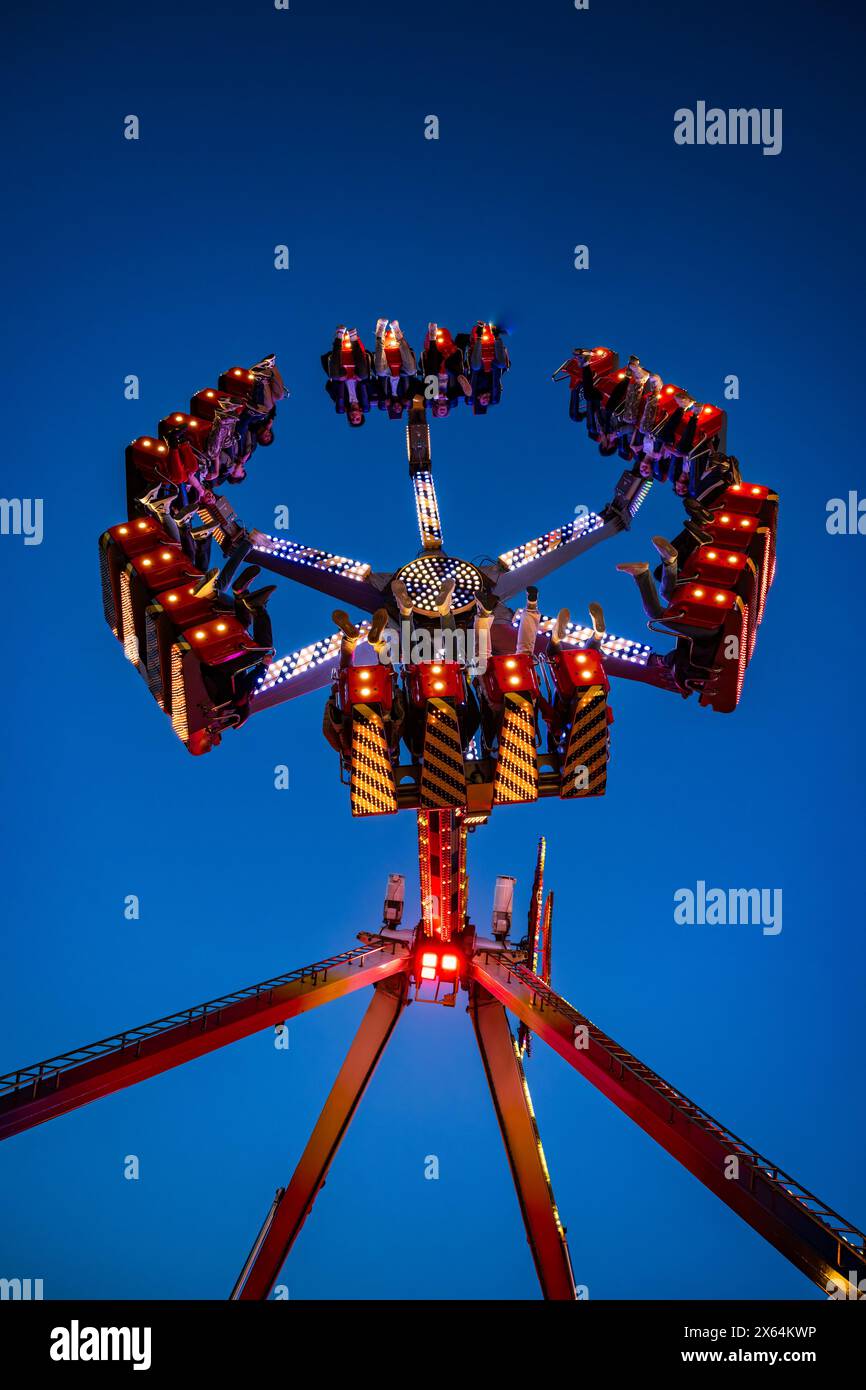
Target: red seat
(721,615)
(197,429)
(116,546)
(442,680)
(166,618)
(367,685)
(147,457)
(573,670)
(715,566)
(237,381)
(509,675)
(204,403)
(219,639)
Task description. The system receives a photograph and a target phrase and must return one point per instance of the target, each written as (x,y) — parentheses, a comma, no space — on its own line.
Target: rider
(441,358)
(347,367)
(488,362)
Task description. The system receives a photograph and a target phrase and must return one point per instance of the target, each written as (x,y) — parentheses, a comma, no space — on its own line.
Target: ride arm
(39,1092)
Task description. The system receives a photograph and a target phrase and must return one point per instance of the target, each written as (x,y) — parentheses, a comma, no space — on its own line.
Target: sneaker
(245,578)
(432,330)
(259,599)
(667,552)
(596,612)
(465,385)
(558,631)
(396,330)
(378,623)
(634,567)
(401,594)
(345,624)
(381,325)
(444,597)
(532,594)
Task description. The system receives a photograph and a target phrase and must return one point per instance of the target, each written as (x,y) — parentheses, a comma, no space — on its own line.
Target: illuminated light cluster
(552,540)
(178,695)
(372,778)
(575,635)
(425,576)
(427,507)
(433,965)
(640,496)
(314,559)
(127,620)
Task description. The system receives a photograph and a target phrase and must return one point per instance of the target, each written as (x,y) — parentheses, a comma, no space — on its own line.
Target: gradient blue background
(156,258)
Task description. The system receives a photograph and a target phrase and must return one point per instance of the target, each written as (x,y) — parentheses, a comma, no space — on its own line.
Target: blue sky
(155,257)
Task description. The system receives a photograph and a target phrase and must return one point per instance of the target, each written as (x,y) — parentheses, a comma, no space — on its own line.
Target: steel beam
(39,1092)
(530,562)
(820,1242)
(513,1106)
(342,578)
(293,1205)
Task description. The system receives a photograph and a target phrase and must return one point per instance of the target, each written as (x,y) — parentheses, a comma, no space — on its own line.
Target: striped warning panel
(443,780)
(372,777)
(584,770)
(516,777)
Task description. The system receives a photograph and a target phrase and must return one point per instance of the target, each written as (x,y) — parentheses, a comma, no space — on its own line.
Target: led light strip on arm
(577,636)
(427,507)
(286,668)
(314,559)
(551,540)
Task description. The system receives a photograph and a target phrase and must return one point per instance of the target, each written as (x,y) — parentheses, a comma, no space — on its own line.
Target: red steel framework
(497,977)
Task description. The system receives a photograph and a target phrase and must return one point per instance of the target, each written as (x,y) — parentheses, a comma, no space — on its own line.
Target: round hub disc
(425,576)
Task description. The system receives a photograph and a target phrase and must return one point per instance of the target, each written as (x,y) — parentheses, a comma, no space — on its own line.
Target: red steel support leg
(821,1243)
(516,1117)
(295,1203)
(45,1089)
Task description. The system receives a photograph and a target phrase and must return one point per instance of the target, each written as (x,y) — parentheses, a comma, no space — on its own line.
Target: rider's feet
(345,624)
(444,597)
(401,595)
(378,623)
(560,627)
(667,552)
(596,613)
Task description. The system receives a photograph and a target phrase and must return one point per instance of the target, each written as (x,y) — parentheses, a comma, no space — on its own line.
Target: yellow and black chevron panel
(516,777)
(372,777)
(584,768)
(443,780)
